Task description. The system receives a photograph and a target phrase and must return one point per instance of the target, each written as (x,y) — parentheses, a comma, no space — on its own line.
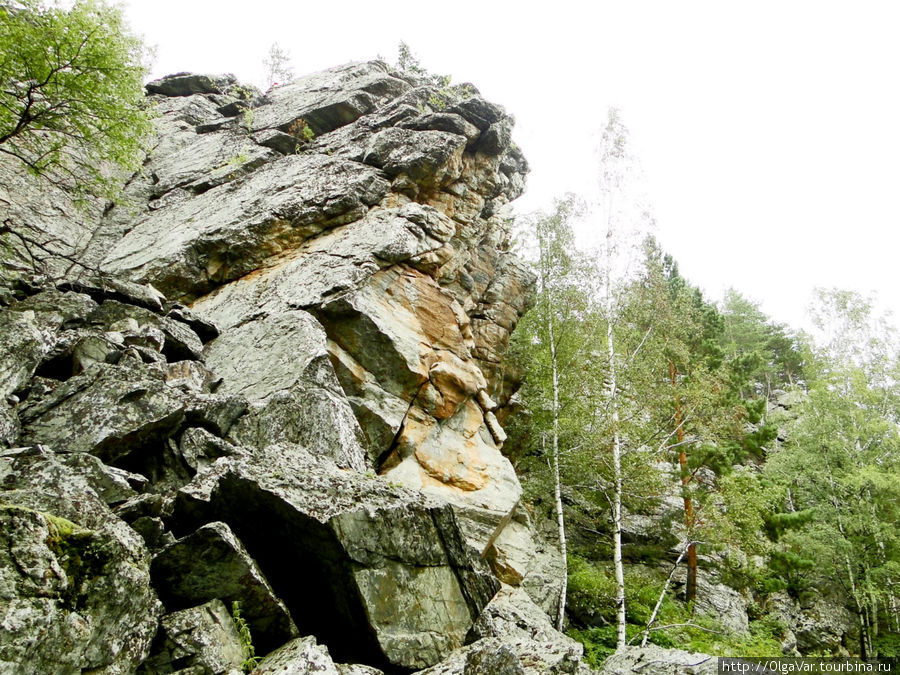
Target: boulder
(113,411)
(819,626)
(75,591)
(202,637)
(653,659)
(280,364)
(330,99)
(185,84)
(305,655)
(493,656)
(24,344)
(430,156)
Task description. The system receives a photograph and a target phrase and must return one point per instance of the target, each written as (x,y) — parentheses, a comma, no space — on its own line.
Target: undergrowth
(591,602)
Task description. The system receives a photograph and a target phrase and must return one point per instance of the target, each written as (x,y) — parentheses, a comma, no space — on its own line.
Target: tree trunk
(617,458)
(662,596)
(560,520)
(554,411)
(690,591)
(557,492)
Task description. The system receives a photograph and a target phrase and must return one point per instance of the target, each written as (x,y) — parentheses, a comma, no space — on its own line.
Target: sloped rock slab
(110,411)
(211,563)
(329,99)
(280,364)
(332,263)
(185,84)
(386,576)
(191,246)
(511,614)
(305,655)
(493,656)
(23,343)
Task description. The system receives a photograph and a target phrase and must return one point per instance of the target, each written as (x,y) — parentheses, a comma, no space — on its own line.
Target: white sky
(769,131)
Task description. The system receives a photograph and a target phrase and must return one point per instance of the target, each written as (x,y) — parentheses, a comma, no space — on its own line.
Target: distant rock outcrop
(274,375)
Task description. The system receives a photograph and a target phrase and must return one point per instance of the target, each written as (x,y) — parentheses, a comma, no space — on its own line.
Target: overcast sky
(769,131)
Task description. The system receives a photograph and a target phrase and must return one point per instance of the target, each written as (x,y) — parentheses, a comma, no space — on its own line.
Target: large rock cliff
(273,375)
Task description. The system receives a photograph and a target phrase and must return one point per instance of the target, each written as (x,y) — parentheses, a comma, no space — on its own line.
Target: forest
(698,460)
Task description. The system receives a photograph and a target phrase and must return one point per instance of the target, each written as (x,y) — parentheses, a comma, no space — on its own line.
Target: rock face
(274,376)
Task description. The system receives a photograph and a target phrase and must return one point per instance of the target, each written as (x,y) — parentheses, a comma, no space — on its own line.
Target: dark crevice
(60,368)
(382,463)
(143,450)
(305,564)
(174,351)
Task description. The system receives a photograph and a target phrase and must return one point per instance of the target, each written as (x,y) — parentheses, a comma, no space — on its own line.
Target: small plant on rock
(300,130)
(443,92)
(246,639)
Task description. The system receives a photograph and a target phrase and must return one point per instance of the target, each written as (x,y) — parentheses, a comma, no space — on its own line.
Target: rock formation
(273,377)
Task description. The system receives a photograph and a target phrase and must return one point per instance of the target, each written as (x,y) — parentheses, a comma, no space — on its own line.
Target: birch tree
(552,341)
(622,217)
(841,466)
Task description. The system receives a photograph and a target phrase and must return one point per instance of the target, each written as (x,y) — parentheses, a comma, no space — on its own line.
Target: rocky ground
(273,376)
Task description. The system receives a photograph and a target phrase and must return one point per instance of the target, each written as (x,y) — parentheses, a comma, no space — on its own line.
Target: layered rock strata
(272,380)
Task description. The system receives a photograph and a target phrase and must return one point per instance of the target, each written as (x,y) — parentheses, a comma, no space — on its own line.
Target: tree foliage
(71,94)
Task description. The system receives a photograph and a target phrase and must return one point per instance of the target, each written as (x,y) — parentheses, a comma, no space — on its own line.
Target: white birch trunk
(557,491)
(617,451)
(560,519)
(662,595)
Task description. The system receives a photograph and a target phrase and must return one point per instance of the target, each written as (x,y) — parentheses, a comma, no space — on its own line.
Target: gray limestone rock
(441,121)
(654,659)
(388,576)
(493,656)
(815,627)
(424,156)
(496,138)
(9,426)
(23,343)
(281,366)
(329,99)
(198,163)
(298,657)
(352,298)
(479,112)
(75,590)
(202,637)
(189,247)
(112,411)
(185,84)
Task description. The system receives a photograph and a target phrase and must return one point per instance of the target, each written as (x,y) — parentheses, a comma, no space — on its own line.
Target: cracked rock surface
(275,377)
